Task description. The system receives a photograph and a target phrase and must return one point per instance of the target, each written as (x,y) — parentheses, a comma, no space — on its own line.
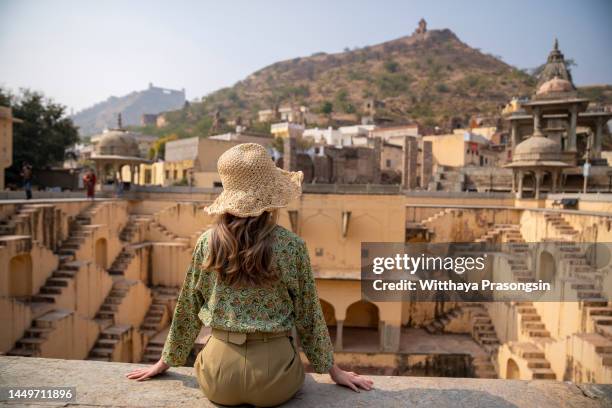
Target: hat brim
(277,192)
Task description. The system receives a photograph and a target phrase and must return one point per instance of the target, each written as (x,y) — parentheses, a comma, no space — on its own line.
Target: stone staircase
(483,330)
(107,311)
(437,325)
(587,282)
(170,236)
(511,240)
(531,322)
(157,321)
(128,231)
(122,261)
(161,309)
(483,333)
(536,360)
(37,334)
(107,341)
(510,233)
(66,270)
(560,226)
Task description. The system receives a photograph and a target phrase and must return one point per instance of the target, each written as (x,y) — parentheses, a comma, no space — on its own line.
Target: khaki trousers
(258,369)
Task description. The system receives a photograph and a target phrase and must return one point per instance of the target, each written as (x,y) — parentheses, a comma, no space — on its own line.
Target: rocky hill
(431,77)
(132,106)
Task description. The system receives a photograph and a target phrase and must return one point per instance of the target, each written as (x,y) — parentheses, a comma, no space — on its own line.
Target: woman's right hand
(350,379)
(142,374)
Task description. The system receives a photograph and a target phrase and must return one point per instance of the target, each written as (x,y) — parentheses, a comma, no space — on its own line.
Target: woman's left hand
(350,379)
(142,374)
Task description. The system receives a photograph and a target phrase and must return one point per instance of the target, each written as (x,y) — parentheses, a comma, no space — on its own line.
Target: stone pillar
(409,163)
(514,134)
(537,122)
(571,145)
(290,154)
(538,181)
(513,182)
(426,164)
(554,175)
(339,327)
(519,194)
(377,160)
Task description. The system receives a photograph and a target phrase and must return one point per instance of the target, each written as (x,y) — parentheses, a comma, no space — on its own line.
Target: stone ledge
(104,384)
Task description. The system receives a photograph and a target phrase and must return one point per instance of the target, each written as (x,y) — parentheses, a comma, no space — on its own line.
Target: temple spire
(556,46)
(119,122)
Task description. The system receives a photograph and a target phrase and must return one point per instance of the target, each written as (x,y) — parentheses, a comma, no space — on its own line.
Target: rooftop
(104,384)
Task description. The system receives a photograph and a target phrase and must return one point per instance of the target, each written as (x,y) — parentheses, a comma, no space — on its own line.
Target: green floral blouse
(293,300)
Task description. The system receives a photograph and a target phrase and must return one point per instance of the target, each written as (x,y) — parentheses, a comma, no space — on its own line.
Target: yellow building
(287,129)
(6,140)
(193,161)
(461,148)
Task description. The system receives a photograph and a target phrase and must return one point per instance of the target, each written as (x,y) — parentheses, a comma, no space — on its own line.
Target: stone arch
(361,327)
(20,275)
(101,253)
(362,314)
(546,267)
(512,370)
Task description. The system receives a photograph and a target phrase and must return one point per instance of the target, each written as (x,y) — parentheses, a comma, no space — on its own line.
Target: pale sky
(80,52)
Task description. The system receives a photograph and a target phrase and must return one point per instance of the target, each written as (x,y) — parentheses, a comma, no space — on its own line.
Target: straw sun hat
(252,183)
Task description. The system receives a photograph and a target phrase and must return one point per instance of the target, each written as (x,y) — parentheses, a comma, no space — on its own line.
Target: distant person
(250,280)
(26,174)
(118,188)
(89,180)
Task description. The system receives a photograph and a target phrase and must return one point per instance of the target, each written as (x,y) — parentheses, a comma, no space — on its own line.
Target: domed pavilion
(541,158)
(116,149)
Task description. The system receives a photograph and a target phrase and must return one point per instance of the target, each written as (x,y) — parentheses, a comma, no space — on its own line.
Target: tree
(44,135)
(327,107)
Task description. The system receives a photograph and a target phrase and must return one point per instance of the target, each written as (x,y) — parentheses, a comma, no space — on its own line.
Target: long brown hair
(240,249)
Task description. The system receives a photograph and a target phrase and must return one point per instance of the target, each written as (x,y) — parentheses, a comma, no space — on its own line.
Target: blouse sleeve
(310,322)
(186,324)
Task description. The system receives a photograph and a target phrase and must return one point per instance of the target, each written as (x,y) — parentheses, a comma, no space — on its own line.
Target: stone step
(105,315)
(543,374)
(61,282)
(46,298)
(101,352)
(107,343)
(538,363)
(533,325)
(538,333)
(63,273)
(595,302)
(51,290)
(31,341)
(37,331)
(600,311)
(602,320)
(109,307)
